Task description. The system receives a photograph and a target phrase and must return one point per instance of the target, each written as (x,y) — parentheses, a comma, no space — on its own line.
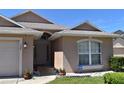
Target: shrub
(61,71)
(114,78)
(117,63)
(27,74)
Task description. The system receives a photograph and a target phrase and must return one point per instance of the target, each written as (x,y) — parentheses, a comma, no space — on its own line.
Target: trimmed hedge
(114,78)
(117,63)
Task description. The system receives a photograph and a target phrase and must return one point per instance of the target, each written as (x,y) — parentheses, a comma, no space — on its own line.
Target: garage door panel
(9,58)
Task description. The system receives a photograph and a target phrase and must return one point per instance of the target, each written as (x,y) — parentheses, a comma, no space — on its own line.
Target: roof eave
(58,35)
(21,31)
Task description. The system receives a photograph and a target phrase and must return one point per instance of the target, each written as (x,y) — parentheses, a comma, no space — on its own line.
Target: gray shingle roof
(30,12)
(119,32)
(11,21)
(42,26)
(82,33)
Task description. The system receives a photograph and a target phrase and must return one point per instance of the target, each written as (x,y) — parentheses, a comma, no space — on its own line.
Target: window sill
(90,67)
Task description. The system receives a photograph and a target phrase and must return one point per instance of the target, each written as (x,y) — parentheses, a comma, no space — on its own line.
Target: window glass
(86,52)
(83,59)
(95,59)
(84,47)
(95,47)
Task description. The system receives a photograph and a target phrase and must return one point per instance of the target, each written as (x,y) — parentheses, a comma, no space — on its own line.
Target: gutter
(60,34)
(21,31)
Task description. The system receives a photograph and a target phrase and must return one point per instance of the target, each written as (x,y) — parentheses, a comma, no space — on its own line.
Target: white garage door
(9,58)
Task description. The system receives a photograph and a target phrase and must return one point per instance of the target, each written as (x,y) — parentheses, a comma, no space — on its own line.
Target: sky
(107,20)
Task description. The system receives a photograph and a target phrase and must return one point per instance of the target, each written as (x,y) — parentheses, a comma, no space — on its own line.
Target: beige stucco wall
(58,60)
(57,53)
(57,44)
(27,53)
(70,52)
(118,52)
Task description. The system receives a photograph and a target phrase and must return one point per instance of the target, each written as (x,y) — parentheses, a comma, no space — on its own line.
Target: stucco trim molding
(91,67)
(90,39)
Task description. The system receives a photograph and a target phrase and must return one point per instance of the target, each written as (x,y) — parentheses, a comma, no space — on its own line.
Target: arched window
(89,52)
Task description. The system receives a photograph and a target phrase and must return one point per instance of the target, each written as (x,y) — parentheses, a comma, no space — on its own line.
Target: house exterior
(118,44)
(84,47)
(14,58)
(30,42)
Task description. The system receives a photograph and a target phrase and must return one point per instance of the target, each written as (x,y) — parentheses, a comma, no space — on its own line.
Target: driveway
(34,80)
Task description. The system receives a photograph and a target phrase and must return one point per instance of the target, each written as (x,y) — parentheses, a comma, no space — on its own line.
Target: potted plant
(62,72)
(27,75)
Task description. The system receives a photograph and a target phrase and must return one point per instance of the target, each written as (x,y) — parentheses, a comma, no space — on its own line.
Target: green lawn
(78,80)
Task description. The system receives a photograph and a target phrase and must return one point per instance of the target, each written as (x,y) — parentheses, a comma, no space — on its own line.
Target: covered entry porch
(42,55)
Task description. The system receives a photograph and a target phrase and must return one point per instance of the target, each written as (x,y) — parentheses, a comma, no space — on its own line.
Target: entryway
(42,55)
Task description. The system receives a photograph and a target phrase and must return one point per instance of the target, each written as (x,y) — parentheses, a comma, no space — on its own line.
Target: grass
(78,80)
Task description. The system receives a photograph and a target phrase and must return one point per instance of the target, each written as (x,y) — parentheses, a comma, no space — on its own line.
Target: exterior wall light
(25,44)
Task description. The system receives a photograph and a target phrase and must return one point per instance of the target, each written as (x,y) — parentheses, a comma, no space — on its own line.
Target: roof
(20,31)
(29,13)
(11,21)
(118,46)
(42,26)
(82,33)
(118,43)
(119,32)
(85,26)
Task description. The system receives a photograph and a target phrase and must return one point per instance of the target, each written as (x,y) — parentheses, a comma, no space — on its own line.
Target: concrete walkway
(46,79)
(89,74)
(34,80)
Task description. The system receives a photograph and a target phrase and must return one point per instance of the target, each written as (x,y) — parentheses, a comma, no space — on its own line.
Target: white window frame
(90,40)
